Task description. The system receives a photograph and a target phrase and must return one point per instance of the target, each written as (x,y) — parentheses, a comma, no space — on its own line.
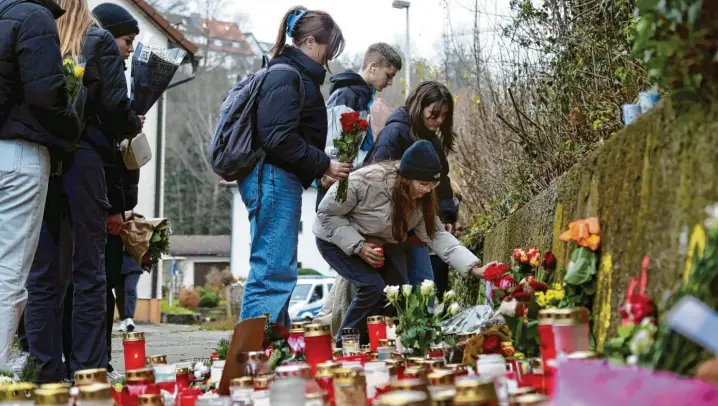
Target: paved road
(178,342)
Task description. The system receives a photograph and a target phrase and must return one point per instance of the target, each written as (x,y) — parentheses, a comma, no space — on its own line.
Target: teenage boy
(354,92)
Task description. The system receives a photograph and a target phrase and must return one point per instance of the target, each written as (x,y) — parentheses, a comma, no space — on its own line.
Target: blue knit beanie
(116,20)
(421,162)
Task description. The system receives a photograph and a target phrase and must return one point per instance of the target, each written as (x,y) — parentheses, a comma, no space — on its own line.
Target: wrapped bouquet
(146,240)
(354,129)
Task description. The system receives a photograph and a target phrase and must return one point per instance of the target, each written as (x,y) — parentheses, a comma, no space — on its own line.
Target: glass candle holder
(212,400)
(457,369)
(349,387)
(377,377)
(350,340)
(545,330)
(57,396)
(241,390)
(404,398)
(325,378)
(188,396)
(255,363)
(215,371)
(296,370)
(139,382)
(159,359)
(420,385)
(134,350)
(90,376)
(318,341)
(441,377)
(571,330)
(149,399)
(98,394)
(289,391)
(377,331)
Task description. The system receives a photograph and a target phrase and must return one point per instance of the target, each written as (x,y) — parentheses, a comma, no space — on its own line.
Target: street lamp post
(399,4)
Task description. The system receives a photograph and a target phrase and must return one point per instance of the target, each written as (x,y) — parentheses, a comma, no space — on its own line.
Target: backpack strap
(286,67)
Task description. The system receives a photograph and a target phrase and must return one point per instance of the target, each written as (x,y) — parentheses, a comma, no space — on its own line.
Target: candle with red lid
(377,331)
(317,344)
(134,349)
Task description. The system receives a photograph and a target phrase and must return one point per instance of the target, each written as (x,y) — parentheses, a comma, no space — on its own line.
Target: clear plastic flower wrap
(471,320)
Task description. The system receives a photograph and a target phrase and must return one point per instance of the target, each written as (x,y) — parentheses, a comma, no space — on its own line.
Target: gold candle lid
(412,361)
(433,363)
(297,327)
(410,384)
(349,376)
(583,355)
(531,399)
(254,357)
(443,397)
(326,369)
(338,352)
(402,398)
(56,385)
(545,316)
(133,336)
(242,382)
(182,370)
(96,391)
(475,390)
(397,355)
(416,371)
(53,396)
(373,356)
(156,360)
(138,375)
(383,342)
(90,376)
(149,399)
(262,382)
(456,368)
(441,377)
(21,391)
(567,317)
(376,319)
(316,330)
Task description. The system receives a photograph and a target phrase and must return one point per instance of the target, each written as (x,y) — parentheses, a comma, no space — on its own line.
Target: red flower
(506,282)
(538,286)
(491,344)
(520,255)
(534,257)
(549,261)
(349,121)
(493,273)
(146,259)
(363,125)
(522,296)
(638,307)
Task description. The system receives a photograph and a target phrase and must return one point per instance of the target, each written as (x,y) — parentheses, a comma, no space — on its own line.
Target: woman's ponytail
(282,34)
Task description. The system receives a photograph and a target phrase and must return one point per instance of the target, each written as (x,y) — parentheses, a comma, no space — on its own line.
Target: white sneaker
(123,326)
(129,324)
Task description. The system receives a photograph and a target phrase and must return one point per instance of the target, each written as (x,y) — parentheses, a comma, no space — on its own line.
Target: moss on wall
(648,184)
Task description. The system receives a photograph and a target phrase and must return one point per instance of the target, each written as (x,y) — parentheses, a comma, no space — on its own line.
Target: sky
(364,22)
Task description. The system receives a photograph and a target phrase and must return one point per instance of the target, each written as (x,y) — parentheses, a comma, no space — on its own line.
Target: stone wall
(649,185)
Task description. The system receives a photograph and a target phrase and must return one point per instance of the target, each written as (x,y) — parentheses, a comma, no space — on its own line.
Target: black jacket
(294,140)
(394,139)
(108,113)
(34,105)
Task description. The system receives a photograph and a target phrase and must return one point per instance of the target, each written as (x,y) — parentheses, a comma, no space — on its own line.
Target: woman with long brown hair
(81,204)
(291,129)
(384,203)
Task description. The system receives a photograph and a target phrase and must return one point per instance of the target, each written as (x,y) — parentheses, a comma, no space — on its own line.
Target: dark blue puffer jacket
(33,101)
(294,140)
(394,139)
(108,112)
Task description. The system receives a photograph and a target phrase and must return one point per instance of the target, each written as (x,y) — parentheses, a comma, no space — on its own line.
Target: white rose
(454,309)
(391,292)
(449,295)
(427,288)
(632,360)
(406,290)
(641,342)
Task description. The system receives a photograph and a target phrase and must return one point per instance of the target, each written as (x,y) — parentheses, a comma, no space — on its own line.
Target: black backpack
(231,150)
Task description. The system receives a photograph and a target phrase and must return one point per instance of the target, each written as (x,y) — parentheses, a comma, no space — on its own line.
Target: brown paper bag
(136,235)
(248,336)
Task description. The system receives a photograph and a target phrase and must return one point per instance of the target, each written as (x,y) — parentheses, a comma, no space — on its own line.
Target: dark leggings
(441,276)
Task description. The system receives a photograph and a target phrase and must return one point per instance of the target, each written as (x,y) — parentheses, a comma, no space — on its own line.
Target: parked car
(309,296)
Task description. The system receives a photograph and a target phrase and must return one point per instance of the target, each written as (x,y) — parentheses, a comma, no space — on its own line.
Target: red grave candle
(318,344)
(134,349)
(296,338)
(188,396)
(325,378)
(182,378)
(139,382)
(377,331)
(548,346)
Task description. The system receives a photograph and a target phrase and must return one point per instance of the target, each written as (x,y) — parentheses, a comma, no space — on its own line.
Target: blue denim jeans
(273,198)
(24,174)
(77,255)
(419,265)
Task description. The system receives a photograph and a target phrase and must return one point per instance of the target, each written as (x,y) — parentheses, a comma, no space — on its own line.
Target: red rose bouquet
(354,129)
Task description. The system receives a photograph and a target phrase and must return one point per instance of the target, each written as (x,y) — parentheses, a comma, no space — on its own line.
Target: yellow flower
(557,286)
(79,72)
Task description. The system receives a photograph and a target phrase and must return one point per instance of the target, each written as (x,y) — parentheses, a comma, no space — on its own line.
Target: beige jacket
(367,214)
